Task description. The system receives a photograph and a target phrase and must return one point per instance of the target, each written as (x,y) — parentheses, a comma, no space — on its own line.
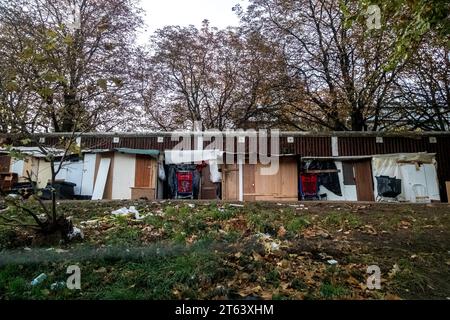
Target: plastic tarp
(417,172)
(214,174)
(212,157)
(191,156)
(145,152)
(329,180)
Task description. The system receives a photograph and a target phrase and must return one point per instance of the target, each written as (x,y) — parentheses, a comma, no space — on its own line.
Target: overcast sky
(160,13)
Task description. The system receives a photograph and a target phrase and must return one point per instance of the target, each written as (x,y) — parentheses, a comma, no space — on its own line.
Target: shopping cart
(185,188)
(309,187)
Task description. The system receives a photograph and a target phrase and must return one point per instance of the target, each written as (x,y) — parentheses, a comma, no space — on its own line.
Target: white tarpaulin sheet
(212,157)
(417,171)
(191,156)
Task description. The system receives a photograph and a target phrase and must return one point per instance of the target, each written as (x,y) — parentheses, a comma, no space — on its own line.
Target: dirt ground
(216,250)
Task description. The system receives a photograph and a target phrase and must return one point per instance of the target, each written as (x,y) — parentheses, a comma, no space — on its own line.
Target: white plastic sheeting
(212,157)
(189,156)
(348,191)
(71,172)
(417,172)
(214,175)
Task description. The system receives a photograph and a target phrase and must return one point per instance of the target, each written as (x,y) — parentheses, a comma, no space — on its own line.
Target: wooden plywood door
(289,179)
(208,188)
(364,180)
(5,162)
(230,182)
(144,177)
(283,185)
(249,182)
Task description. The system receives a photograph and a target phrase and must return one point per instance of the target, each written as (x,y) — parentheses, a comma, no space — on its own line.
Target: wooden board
(142,193)
(230,182)
(249,182)
(100,181)
(145,172)
(208,188)
(5,162)
(288,178)
(364,180)
(283,186)
(447,185)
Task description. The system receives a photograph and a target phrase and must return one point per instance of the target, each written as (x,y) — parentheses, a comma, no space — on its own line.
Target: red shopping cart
(184,185)
(309,186)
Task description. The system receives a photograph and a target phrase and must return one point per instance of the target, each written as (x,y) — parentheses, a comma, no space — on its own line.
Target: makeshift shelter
(33,161)
(246,182)
(351,153)
(125,173)
(415,175)
(193,173)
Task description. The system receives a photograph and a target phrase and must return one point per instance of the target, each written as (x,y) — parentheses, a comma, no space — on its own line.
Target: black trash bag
(388,187)
(172,180)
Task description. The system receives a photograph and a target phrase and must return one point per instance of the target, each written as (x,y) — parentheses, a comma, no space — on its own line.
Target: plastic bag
(161,172)
(215,175)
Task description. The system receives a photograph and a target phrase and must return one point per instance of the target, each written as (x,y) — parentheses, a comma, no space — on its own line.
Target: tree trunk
(358,122)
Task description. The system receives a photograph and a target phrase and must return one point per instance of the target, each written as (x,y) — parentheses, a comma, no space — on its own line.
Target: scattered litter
(121,212)
(27,249)
(127,211)
(57,285)
(101,270)
(75,234)
(191,205)
(236,205)
(264,236)
(269,244)
(281,232)
(39,279)
(90,222)
(14,195)
(274,246)
(332,262)
(394,271)
(325,256)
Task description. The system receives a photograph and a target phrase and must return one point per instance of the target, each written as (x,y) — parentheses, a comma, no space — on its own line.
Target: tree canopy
(75,65)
